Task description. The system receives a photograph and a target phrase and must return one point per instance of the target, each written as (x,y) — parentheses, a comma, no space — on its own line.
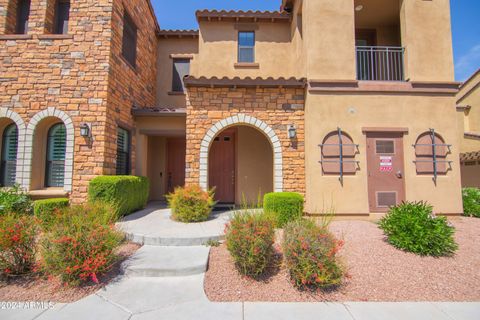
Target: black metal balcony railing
(380,63)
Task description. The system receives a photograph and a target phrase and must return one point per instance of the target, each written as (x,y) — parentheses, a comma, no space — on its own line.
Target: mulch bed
(377,271)
(37,288)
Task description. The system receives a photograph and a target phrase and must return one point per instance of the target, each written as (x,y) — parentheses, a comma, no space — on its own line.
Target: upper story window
(181,68)
(62,15)
(246,46)
(23,13)
(129,43)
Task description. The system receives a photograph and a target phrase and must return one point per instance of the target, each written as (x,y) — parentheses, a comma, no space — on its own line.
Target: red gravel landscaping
(377,271)
(40,289)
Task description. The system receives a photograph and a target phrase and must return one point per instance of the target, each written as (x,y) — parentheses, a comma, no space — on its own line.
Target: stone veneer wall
(276,107)
(81,74)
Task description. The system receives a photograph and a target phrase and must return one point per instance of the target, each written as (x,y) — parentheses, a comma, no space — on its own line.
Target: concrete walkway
(166,282)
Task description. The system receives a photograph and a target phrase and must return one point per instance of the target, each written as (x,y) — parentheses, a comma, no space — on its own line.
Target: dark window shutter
(129,44)
(56,150)
(23,12)
(181,68)
(123,152)
(9,155)
(62,15)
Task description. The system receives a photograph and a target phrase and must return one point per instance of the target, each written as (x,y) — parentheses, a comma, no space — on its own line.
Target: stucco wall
(350,112)
(166,48)
(469,120)
(218,50)
(471,176)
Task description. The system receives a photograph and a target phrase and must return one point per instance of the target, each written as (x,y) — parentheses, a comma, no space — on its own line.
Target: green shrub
(412,227)
(310,255)
(250,239)
(191,204)
(471,202)
(80,245)
(15,200)
(45,209)
(283,206)
(125,194)
(17,244)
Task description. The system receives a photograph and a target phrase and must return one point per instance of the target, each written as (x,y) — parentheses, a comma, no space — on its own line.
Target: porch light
(85,130)
(359,8)
(292,132)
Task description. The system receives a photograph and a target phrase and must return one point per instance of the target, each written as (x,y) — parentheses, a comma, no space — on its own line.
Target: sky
(180,14)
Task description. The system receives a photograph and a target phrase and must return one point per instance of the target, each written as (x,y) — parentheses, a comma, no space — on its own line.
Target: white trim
(32,125)
(251,121)
(15,117)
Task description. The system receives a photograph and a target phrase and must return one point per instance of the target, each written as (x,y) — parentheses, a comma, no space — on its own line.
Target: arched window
(9,155)
(431,153)
(338,154)
(56,150)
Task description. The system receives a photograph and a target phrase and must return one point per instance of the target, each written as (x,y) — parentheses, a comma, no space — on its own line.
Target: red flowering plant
(191,203)
(17,244)
(311,255)
(250,239)
(80,244)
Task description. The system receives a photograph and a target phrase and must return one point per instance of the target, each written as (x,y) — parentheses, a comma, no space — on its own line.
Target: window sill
(246,65)
(134,68)
(176,93)
(16,37)
(48,193)
(55,36)
(181,56)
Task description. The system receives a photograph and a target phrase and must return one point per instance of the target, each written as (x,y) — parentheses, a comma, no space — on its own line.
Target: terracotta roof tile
(242,15)
(292,82)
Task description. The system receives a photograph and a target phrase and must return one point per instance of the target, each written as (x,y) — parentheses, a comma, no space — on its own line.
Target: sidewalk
(164,280)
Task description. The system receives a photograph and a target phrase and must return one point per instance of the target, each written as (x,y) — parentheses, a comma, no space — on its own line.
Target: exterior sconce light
(292,132)
(359,8)
(85,130)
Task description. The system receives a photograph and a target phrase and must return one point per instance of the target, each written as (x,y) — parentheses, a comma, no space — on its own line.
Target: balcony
(376,63)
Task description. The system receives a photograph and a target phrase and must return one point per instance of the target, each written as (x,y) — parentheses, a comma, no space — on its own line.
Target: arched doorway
(240,165)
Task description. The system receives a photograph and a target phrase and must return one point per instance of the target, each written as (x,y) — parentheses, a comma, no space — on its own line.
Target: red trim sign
(386,164)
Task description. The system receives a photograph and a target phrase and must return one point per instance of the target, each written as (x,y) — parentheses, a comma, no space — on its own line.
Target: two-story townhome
(347,102)
(468,107)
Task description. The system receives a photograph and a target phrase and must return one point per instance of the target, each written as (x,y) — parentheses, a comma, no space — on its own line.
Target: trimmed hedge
(283,206)
(471,202)
(45,209)
(125,194)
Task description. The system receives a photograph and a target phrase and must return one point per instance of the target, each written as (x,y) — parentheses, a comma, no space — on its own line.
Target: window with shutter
(9,156)
(123,152)
(62,15)
(338,154)
(56,151)
(23,13)
(129,43)
(431,154)
(181,68)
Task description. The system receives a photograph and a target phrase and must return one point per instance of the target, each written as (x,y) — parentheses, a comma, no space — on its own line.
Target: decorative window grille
(338,155)
(431,153)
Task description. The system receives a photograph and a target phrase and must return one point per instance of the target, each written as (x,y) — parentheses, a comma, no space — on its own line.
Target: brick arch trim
(242,119)
(21,127)
(32,125)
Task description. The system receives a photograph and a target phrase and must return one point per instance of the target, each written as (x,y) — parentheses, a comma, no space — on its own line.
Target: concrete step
(167,261)
(176,241)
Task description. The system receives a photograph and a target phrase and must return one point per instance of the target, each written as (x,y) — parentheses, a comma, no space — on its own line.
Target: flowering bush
(80,244)
(310,255)
(191,204)
(15,200)
(411,226)
(250,241)
(17,244)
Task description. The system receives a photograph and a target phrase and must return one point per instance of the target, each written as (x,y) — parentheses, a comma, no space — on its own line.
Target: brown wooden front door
(176,150)
(221,167)
(386,186)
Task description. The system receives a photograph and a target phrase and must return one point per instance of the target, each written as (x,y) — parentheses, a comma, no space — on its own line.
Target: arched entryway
(242,158)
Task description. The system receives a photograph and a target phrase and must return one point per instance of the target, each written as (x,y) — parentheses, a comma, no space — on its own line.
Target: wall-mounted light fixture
(359,8)
(292,132)
(85,130)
